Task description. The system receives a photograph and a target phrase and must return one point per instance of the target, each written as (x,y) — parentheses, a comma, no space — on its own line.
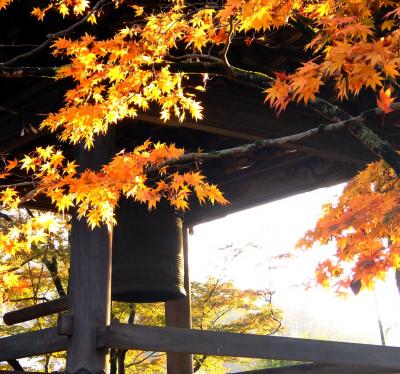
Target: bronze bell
(147,254)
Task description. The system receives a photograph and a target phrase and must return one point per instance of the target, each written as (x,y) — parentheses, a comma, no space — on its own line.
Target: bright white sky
(259,234)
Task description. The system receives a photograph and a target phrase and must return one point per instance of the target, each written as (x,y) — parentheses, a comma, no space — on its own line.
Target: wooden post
(179,314)
(90,277)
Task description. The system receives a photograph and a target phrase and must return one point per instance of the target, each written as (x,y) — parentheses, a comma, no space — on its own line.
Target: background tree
(217,306)
(35,276)
(364,226)
(42,275)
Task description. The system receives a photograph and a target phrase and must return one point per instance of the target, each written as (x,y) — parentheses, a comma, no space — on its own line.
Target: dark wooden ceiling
(234,114)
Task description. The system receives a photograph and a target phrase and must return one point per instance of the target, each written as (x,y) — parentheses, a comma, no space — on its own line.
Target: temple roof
(234,114)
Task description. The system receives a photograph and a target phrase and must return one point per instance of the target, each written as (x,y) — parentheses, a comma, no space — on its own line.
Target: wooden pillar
(90,277)
(179,314)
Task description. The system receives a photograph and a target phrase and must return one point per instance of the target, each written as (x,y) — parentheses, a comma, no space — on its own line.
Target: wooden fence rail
(181,340)
(27,372)
(326,357)
(320,369)
(32,344)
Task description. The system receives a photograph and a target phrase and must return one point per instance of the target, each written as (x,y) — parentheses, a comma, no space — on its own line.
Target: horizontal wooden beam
(36,311)
(181,340)
(32,344)
(319,369)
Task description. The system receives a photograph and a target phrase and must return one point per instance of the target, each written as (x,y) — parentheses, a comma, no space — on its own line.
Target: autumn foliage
(364,226)
(352,46)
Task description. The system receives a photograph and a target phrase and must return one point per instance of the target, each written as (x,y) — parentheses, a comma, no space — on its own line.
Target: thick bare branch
(52,267)
(352,124)
(26,71)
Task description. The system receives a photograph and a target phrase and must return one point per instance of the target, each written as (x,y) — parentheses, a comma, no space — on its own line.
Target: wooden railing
(327,356)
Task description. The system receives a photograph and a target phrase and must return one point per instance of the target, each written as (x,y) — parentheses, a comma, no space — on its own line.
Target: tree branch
(8,110)
(151,354)
(52,267)
(199,362)
(377,145)
(27,197)
(18,184)
(194,57)
(352,123)
(29,259)
(51,37)
(26,72)
(228,43)
(15,365)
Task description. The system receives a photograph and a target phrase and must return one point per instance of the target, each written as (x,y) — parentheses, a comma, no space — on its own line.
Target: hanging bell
(147,263)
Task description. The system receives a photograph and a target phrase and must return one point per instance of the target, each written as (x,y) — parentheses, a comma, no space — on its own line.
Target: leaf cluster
(364,225)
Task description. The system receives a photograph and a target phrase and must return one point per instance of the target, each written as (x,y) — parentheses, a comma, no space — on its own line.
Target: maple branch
(371,140)
(18,45)
(29,259)
(228,43)
(28,71)
(355,124)
(377,145)
(57,34)
(27,197)
(195,56)
(8,110)
(18,184)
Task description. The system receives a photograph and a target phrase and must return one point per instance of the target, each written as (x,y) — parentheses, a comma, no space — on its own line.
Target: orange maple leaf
(385,101)
(11,164)
(278,95)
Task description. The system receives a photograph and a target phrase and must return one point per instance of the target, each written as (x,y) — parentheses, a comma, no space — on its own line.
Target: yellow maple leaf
(115,74)
(388,25)
(215,195)
(29,163)
(8,195)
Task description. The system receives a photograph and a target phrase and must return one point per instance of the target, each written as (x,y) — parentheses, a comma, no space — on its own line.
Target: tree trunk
(121,353)
(113,361)
(121,360)
(397,276)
